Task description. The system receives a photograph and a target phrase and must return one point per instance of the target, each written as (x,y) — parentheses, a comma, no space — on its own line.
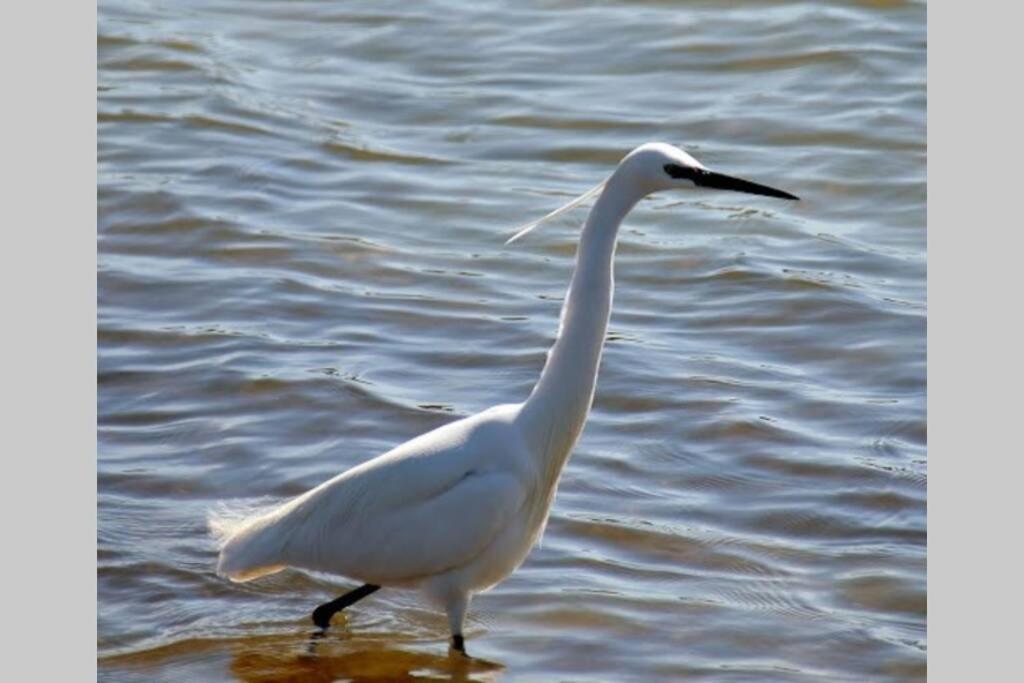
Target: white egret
(456,510)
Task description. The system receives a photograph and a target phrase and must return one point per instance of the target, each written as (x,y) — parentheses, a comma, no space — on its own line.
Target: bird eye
(677,171)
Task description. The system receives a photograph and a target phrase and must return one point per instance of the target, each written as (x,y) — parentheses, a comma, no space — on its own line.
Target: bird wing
(431,505)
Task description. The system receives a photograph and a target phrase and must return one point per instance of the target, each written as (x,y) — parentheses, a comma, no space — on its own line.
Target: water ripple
(302,210)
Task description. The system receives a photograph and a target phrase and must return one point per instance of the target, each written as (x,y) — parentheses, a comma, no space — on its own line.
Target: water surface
(302,210)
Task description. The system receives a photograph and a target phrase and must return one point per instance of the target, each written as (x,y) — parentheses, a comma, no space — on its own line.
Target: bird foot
(459,645)
(322,616)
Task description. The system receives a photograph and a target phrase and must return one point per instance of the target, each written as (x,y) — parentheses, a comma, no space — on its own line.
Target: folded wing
(431,505)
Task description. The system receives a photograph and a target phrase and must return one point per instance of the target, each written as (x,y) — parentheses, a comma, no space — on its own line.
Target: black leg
(459,643)
(322,614)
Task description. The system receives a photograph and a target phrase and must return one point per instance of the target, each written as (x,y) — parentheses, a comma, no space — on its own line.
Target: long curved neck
(558,406)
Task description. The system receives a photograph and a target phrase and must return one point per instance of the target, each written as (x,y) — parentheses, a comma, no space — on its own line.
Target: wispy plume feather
(523,229)
(225,519)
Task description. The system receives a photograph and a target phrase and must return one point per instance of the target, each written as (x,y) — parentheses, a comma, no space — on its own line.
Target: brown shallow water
(302,209)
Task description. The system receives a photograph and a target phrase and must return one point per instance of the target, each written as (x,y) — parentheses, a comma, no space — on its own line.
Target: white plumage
(360,523)
(456,510)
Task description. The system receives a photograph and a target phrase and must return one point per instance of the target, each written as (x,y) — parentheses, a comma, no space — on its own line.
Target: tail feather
(251,544)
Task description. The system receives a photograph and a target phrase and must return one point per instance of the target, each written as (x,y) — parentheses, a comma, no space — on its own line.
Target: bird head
(658,166)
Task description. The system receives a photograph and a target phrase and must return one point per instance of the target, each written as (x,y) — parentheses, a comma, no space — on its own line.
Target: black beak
(719,181)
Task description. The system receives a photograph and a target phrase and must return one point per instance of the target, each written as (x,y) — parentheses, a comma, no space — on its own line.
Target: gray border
(974,342)
(49,304)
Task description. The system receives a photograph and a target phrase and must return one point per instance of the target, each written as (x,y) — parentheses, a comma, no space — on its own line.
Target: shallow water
(302,210)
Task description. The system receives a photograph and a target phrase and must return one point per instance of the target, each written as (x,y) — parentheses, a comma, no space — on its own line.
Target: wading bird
(456,510)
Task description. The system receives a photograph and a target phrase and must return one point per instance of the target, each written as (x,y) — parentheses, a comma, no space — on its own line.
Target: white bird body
(456,510)
(441,512)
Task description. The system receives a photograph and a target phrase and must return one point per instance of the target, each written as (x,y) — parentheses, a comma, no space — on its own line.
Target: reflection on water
(295,657)
(302,215)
